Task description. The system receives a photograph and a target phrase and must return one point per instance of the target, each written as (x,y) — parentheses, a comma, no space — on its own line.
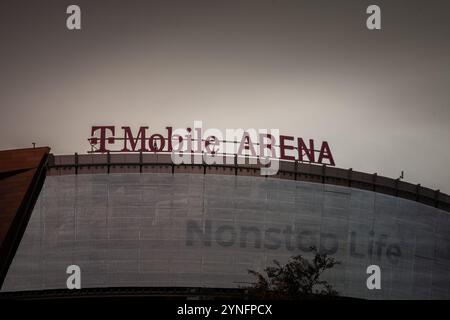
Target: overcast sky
(309,68)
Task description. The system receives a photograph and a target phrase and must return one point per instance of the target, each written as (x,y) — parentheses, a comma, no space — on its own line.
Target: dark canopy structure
(22,174)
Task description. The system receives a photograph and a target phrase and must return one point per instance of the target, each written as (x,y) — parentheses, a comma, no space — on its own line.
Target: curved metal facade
(163,229)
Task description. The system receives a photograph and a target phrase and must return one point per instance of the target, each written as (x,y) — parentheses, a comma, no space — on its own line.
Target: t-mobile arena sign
(197,145)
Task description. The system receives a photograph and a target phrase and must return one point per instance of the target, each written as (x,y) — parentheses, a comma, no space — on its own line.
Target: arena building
(138,220)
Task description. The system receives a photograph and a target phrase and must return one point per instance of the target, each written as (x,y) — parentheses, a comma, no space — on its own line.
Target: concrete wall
(207,230)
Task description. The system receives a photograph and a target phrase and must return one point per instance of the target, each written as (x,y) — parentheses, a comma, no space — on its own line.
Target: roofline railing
(291,170)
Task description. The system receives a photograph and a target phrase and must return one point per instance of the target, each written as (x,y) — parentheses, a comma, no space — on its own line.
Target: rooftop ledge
(291,170)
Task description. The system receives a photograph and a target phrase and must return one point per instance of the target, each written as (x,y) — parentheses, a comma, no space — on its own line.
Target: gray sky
(310,68)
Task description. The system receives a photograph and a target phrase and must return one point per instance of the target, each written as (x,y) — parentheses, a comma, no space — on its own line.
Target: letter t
(102,138)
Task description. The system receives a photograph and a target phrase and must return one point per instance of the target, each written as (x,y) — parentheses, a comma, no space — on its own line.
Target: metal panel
(180,229)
